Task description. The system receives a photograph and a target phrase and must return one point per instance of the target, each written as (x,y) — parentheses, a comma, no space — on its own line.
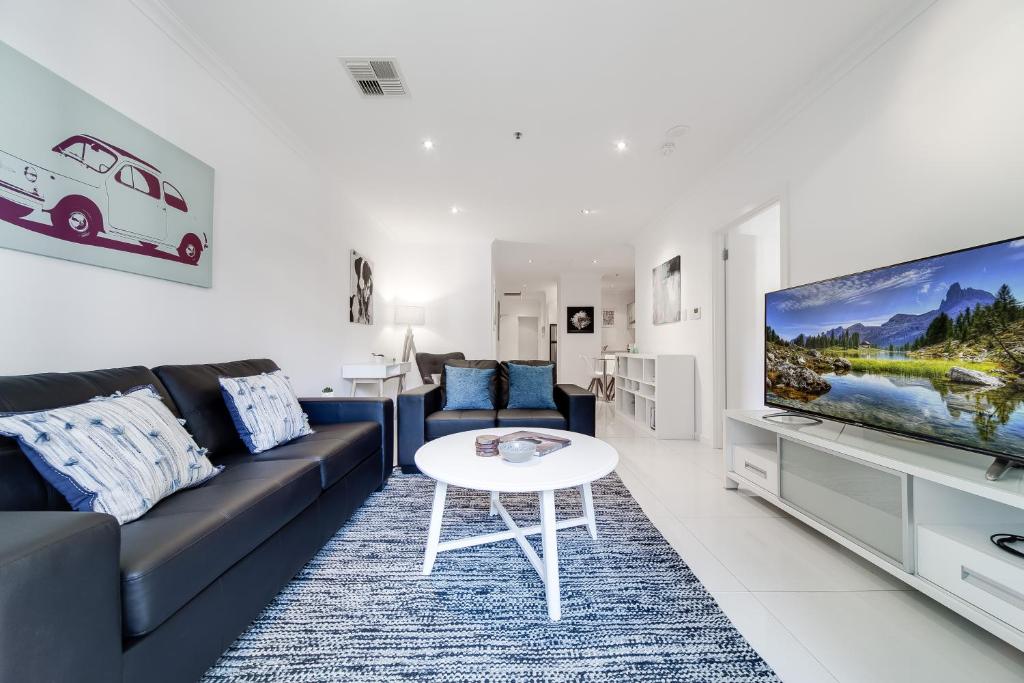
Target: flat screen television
(931,349)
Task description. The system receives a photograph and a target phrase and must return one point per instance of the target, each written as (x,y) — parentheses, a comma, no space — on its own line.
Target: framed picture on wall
(608,318)
(579,320)
(81,181)
(667,289)
(360,300)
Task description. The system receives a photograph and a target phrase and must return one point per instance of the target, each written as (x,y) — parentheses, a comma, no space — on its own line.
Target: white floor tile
(818,612)
(702,563)
(781,554)
(901,637)
(777,646)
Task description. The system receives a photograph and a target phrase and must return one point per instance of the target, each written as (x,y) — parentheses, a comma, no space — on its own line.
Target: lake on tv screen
(933,348)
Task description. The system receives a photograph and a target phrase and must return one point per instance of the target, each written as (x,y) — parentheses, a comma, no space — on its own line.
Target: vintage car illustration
(94,188)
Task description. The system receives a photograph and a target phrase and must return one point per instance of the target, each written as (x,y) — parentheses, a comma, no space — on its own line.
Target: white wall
(531,305)
(577,289)
(282,233)
(617,337)
(915,151)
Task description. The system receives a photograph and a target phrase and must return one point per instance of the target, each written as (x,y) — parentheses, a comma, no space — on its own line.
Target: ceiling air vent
(375,76)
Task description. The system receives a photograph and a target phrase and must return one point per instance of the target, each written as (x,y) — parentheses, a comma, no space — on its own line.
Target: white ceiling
(574,76)
(532,267)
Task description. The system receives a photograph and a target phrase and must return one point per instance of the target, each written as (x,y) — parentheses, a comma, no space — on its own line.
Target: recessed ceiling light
(455,209)
(529,260)
(428,144)
(595,260)
(621,145)
(586,212)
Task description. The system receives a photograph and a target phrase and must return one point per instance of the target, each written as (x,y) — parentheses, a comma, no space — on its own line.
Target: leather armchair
(413,408)
(578,406)
(331,410)
(60,597)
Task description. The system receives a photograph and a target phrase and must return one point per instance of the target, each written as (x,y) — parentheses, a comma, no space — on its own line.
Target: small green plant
(328,390)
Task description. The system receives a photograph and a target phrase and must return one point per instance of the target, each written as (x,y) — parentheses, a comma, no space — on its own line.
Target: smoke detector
(375,76)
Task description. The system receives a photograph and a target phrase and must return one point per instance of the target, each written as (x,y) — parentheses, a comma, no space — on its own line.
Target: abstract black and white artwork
(360,300)
(608,318)
(579,319)
(667,288)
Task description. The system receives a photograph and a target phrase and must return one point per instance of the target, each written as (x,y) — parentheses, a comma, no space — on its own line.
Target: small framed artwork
(608,318)
(579,320)
(667,289)
(360,300)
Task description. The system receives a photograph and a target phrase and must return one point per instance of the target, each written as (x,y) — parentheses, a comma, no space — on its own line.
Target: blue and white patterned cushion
(117,454)
(265,410)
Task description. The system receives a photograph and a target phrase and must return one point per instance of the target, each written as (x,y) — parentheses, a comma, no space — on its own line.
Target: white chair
(596,370)
(608,365)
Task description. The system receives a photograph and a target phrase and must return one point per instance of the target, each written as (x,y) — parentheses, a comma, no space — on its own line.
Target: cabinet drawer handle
(992,587)
(763,473)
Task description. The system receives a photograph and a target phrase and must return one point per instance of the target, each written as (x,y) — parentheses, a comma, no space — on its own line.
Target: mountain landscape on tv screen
(933,348)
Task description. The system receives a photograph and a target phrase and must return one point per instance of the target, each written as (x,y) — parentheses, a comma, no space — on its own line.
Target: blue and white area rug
(362,611)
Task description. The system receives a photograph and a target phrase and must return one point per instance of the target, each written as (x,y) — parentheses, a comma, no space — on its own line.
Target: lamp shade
(410,315)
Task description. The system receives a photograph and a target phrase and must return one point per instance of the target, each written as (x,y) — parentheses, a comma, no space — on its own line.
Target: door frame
(718,300)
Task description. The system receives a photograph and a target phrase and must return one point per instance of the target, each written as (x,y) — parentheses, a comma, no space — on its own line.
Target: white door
(753,267)
(528,337)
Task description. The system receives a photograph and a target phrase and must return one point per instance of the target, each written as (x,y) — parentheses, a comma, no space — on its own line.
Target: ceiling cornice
(884,30)
(164,18)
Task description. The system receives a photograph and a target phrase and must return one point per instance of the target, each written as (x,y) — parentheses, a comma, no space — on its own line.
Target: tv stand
(999,467)
(922,512)
(808,420)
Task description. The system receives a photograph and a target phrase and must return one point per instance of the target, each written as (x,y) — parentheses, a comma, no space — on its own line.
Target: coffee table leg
(434,535)
(494,503)
(588,509)
(549,541)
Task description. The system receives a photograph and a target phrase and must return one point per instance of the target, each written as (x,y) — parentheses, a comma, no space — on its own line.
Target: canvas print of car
(107,192)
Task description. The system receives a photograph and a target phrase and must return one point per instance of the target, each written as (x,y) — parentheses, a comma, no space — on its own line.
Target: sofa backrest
(196,391)
(430,364)
(21,486)
(500,389)
(503,377)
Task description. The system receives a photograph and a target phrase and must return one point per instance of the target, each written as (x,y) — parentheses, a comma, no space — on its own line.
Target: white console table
(921,512)
(375,374)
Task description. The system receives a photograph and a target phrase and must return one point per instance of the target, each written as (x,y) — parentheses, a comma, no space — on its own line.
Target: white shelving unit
(656,391)
(921,512)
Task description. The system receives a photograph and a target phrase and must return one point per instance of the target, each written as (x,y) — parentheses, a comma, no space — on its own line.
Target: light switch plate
(694,313)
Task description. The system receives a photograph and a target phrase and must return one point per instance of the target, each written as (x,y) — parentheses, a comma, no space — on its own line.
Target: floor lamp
(409,315)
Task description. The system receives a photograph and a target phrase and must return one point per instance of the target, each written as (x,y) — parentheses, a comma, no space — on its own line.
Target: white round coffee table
(452,460)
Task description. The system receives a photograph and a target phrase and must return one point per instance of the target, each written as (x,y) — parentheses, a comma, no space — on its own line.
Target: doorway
(529,338)
(751,265)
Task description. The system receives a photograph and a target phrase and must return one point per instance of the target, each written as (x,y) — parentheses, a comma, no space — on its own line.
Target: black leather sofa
(159,599)
(421,418)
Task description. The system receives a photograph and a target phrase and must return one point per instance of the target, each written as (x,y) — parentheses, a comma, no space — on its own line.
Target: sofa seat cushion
(182,545)
(512,417)
(336,448)
(445,422)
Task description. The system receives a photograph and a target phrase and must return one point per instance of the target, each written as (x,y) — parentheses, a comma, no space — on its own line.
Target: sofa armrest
(413,408)
(577,406)
(330,410)
(60,597)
